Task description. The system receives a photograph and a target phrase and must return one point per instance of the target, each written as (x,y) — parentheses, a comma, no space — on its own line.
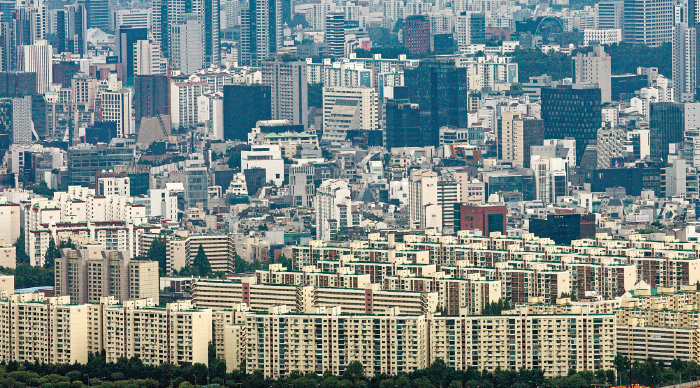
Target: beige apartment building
(174,334)
(223,294)
(90,273)
(45,330)
(280,341)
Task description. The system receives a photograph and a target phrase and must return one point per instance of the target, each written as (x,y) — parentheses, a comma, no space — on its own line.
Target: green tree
(52,253)
(201,263)
(158,252)
(21,253)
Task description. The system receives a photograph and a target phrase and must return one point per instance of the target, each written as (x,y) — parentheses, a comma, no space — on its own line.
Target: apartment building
(113,221)
(279,341)
(90,273)
(44,330)
(223,294)
(659,323)
(176,333)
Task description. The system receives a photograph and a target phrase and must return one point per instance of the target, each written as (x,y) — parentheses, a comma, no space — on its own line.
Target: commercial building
(244,106)
(416,34)
(334,209)
(648,22)
(335,34)
(289,92)
(440,90)
(572,112)
(484,218)
(594,68)
(668,122)
(346,109)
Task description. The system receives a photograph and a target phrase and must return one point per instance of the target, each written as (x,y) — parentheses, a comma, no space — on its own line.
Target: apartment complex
(90,273)
(52,330)
(279,341)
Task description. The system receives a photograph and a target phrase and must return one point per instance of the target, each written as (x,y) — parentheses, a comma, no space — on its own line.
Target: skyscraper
(684,62)
(668,122)
(75,29)
(286,78)
(37,58)
(244,105)
(97,14)
(212,32)
(648,22)
(402,127)
(166,13)
(416,34)
(186,45)
(572,112)
(127,37)
(439,88)
(335,34)
(610,14)
(261,31)
(150,96)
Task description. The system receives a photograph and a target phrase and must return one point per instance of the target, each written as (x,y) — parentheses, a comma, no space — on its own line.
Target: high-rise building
(346,109)
(684,63)
(289,92)
(211,21)
(610,14)
(470,28)
(244,106)
(16,118)
(334,209)
(572,112)
(335,35)
(17,84)
(36,58)
(84,162)
(668,122)
(648,22)
(183,102)
(91,273)
(166,13)
(150,96)
(186,44)
(115,106)
(594,68)
(196,182)
(127,37)
(261,31)
(97,14)
(402,124)
(516,134)
(148,59)
(74,30)
(416,34)
(439,88)
(610,146)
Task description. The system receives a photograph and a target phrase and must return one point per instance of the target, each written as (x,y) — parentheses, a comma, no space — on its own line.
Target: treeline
(624,58)
(133,373)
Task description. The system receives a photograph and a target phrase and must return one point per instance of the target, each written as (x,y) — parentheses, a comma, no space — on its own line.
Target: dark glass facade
(244,105)
(572,112)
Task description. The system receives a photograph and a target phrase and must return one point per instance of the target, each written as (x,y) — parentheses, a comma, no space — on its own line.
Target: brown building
(486,218)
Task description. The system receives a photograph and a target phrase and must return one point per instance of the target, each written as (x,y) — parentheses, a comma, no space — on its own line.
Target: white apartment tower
(594,68)
(187,44)
(684,63)
(334,209)
(287,81)
(36,58)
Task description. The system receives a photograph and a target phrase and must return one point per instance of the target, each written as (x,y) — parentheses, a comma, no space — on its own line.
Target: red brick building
(486,218)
